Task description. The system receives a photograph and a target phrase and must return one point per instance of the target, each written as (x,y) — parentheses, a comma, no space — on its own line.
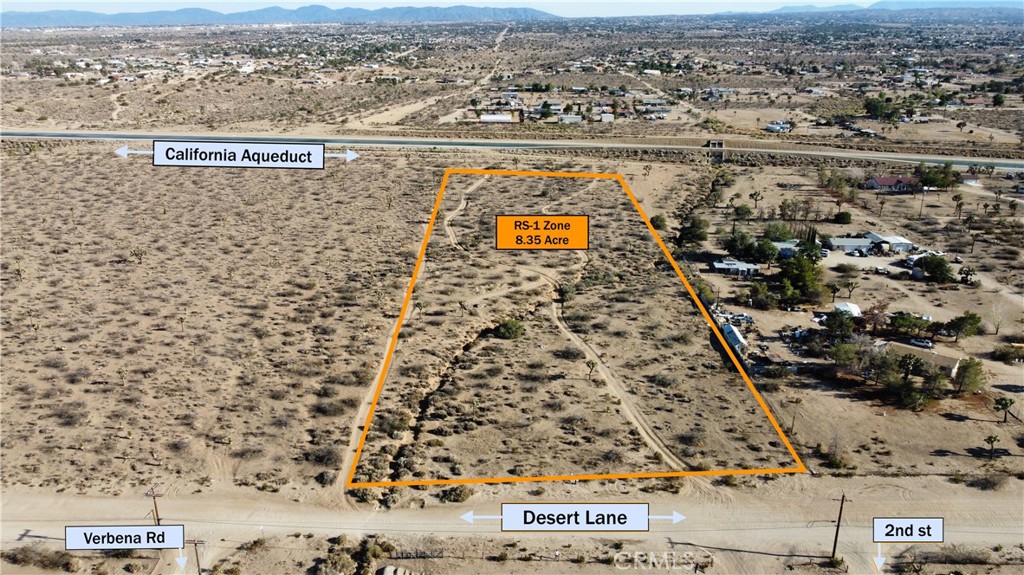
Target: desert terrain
(219,337)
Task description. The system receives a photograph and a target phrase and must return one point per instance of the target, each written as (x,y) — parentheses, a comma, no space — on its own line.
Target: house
(892,184)
(948,364)
(787,249)
(897,244)
(846,245)
(730,266)
(570,119)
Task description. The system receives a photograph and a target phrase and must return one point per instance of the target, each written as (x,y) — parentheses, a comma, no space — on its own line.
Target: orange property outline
(349,483)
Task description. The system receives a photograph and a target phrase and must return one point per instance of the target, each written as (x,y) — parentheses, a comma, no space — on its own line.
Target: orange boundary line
(349,483)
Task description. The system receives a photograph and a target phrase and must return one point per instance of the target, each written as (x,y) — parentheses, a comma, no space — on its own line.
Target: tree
(839,325)
(647,170)
(1004,404)
(765,252)
(803,277)
(992,440)
(694,230)
(756,197)
(998,100)
(970,377)
(964,325)
(743,212)
(760,298)
(843,217)
(909,365)
(966,273)
(959,199)
(935,268)
(961,124)
(845,355)
(659,222)
(740,244)
(834,289)
(849,286)
(1013,206)
(876,316)
(591,365)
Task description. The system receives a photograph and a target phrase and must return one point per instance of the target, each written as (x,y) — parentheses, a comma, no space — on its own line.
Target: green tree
(964,325)
(659,222)
(742,212)
(935,268)
(845,355)
(839,326)
(740,244)
(803,276)
(694,230)
(970,376)
(765,252)
(1004,404)
(998,100)
(777,232)
(759,297)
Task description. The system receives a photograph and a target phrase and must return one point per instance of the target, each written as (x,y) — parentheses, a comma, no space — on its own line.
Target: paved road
(405,142)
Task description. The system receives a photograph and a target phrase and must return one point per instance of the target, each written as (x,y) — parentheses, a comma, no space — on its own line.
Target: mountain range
(906,5)
(322,14)
(273,15)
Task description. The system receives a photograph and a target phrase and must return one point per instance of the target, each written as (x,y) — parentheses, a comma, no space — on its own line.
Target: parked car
(824,253)
(925,343)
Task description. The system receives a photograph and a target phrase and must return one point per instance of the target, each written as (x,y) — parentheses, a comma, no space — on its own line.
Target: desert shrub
(335,408)
(1007,354)
(960,555)
(337,562)
(843,217)
(72,413)
(988,482)
(250,452)
(846,269)
(324,455)
(510,329)
(457,494)
(570,353)
(659,222)
(254,545)
(55,362)
(37,555)
(694,437)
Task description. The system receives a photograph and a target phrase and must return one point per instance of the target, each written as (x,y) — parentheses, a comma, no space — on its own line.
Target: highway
(407,142)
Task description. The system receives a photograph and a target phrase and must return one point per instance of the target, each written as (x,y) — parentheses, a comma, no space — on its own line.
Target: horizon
(569,9)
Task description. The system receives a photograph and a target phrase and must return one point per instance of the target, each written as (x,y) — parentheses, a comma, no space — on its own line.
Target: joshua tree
(992,440)
(757,197)
(850,286)
(834,289)
(592,365)
(959,199)
(647,170)
(1004,404)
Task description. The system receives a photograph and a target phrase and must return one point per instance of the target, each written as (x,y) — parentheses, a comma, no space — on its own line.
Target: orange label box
(542,232)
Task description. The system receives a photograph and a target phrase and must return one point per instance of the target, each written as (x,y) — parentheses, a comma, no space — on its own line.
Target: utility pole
(839,522)
(195,545)
(156,511)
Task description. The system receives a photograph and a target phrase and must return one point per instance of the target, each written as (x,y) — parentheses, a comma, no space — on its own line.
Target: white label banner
(907,530)
(238,155)
(574,517)
(124,537)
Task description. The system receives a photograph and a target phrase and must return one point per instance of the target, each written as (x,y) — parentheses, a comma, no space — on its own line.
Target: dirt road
(787,520)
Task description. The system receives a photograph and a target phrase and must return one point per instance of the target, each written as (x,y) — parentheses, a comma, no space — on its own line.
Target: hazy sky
(561,8)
